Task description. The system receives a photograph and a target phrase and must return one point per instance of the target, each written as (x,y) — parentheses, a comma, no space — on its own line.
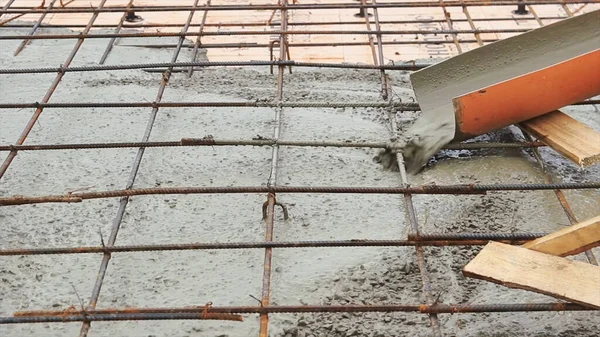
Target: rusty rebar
(305,44)
(425,241)
(248,104)
(199,38)
(143,66)
(477,236)
(384,80)
(272,180)
(132,176)
(179,313)
(184,142)
(111,43)
(423,189)
(414,229)
(364,13)
(259,32)
(40,109)
(261,24)
(471,22)
(450,24)
(312,6)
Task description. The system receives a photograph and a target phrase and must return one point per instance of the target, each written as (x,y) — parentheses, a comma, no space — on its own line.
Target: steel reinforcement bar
(196,312)
(409,66)
(260,24)
(290,7)
(184,142)
(259,32)
(458,240)
(423,189)
(248,104)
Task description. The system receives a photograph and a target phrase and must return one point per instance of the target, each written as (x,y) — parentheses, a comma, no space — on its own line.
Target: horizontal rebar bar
(275,24)
(408,66)
(261,142)
(457,241)
(423,189)
(259,32)
(248,104)
(84,317)
(179,313)
(305,44)
(309,6)
(253,104)
(477,236)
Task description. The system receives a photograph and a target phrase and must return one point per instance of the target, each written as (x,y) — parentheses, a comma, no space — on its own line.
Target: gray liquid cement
(227,277)
(437,85)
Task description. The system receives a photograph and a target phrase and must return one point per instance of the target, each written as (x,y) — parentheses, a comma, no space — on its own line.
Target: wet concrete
(300,276)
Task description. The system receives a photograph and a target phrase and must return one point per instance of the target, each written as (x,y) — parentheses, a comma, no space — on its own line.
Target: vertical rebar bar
(450,26)
(111,43)
(35,28)
(384,82)
(567,9)
(537,18)
(38,111)
(472,24)
(414,226)
(271,199)
(408,204)
(369,36)
(132,176)
(199,39)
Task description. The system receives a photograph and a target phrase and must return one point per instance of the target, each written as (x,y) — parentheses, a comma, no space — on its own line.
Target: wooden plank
(570,240)
(567,136)
(522,268)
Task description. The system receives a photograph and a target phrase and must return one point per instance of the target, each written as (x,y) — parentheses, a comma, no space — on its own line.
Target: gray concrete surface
(301,276)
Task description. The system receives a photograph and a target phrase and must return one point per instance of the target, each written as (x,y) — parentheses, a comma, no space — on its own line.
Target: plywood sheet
(567,136)
(522,268)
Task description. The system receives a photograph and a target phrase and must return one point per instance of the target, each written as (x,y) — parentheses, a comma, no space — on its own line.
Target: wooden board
(567,136)
(570,240)
(522,268)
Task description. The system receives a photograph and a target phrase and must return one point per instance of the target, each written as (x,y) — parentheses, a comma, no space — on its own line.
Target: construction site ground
(367,275)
